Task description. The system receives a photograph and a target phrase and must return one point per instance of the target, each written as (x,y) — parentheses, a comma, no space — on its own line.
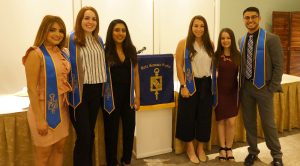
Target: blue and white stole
(52,106)
(259,79)
(109,105)
(189,77)
(214,87)
(75,97)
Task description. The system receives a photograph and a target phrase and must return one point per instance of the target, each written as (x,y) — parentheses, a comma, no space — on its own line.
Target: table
(15,142)
(16,145)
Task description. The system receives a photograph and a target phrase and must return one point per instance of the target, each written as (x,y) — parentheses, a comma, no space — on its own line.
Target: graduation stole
(214,86)
(75,96)
(188,76)
(52,106)
(109,105)
(259,79)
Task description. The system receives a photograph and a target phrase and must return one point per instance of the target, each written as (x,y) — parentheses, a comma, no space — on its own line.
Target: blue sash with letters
(214,86)
(75,96)
(189,77)
(109,105)
(51,91)
(259,79)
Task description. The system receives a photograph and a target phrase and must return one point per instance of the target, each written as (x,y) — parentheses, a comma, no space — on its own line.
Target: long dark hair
(110,46)
(234,53)
(205,38)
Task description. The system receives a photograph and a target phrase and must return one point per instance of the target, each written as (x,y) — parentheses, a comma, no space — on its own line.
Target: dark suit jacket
(273,61)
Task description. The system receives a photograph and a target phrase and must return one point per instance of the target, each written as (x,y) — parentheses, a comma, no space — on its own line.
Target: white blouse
(201,62)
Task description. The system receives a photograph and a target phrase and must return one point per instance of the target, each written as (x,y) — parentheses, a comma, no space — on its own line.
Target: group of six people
(72,84)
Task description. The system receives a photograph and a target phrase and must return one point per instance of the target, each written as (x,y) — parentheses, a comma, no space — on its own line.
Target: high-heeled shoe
(229,158)
(221,157)
(193,158)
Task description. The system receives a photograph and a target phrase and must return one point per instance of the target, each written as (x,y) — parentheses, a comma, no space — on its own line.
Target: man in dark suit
(261,73)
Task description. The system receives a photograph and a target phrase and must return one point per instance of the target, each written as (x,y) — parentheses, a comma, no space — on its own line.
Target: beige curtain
(16,147)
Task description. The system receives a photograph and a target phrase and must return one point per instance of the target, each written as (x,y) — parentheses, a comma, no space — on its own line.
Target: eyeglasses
(250,17)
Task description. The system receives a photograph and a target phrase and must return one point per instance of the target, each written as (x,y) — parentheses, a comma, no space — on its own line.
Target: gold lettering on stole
(52,103)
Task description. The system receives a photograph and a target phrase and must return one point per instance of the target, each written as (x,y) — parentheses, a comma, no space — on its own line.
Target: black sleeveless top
(120,72)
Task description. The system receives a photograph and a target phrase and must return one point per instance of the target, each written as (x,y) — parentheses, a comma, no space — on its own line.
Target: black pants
(194,113)
(111,126)
(84,119)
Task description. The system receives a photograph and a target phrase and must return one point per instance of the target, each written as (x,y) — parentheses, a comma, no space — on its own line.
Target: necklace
(224,57)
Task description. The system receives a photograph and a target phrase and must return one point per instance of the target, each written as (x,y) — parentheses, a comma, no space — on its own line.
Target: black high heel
(229,158)
(222,158)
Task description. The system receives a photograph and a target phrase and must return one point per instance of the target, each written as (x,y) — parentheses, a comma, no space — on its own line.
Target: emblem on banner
(189,75)
(156,83)
(52,103)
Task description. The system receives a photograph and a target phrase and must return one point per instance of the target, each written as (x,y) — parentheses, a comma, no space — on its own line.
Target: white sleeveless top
(201,63)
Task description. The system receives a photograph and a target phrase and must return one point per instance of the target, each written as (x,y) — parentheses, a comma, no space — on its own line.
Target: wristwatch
(183,86)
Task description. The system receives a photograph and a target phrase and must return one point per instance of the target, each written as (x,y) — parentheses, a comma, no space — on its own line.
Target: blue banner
(156,81)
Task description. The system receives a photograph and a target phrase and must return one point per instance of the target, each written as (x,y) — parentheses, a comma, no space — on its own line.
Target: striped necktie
(249,61)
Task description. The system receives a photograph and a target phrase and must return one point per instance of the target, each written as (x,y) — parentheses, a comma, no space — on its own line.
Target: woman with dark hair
(193,61)
(88,74)
(122,84)
(226,63)
(47,67)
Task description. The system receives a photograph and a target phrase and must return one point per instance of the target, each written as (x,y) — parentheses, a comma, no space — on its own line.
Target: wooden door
(281,27)
(295,44)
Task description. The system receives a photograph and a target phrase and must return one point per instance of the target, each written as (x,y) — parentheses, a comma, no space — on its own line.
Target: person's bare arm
(179,66)
(32,69)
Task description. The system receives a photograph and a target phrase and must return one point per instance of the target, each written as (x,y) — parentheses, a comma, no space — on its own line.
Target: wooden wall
(287,26)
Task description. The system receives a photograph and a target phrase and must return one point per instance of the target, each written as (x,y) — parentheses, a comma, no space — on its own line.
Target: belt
(201,78)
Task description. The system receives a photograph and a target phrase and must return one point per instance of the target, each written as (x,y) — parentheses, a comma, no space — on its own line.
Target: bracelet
(183,86)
